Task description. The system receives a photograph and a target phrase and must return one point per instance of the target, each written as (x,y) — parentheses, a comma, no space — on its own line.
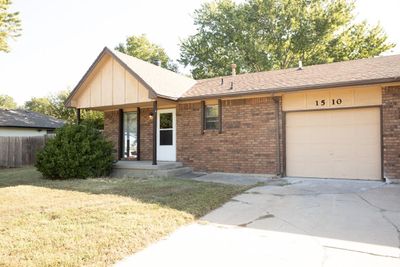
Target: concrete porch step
(144,169)
(147,165)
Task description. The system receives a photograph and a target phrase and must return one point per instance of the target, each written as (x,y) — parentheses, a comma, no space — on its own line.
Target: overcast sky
(60,39)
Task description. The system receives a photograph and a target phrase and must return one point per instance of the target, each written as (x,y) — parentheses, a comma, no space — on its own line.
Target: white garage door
(334,144)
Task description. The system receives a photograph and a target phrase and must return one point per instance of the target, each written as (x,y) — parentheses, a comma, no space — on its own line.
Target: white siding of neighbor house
(9,131)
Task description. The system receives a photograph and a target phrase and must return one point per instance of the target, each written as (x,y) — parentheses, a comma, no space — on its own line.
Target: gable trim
(105,51)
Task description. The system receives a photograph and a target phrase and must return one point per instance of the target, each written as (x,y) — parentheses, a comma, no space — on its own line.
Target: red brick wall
(247,144)
(146,134)
(391,132)
(111,129)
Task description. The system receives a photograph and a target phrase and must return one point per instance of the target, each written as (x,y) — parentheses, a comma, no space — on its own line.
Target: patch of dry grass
(94,222)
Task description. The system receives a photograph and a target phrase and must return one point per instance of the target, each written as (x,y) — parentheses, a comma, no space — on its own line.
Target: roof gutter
(168,97)
(30,127)
(295,88)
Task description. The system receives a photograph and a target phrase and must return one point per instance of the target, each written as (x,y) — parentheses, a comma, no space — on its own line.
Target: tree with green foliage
(141,47)
(7,102)
(10,25)
(261,35)
(53,105)
(39,104)
(76,151)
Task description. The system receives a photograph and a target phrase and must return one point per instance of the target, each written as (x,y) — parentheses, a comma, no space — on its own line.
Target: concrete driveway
(292,222)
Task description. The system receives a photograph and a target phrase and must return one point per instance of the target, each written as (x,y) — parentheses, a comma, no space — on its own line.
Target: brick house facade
(249,139)
(252,122)
(247,144)
(259,112)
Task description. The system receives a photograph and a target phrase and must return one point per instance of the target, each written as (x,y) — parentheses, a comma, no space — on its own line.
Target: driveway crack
(369,203)
(382,212)
(360,251)
(240,201)
(262,217)
(394,226)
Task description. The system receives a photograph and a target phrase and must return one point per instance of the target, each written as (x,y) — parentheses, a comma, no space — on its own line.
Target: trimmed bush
(77,151)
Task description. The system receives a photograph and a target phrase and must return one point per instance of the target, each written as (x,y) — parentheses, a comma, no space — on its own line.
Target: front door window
(166,129)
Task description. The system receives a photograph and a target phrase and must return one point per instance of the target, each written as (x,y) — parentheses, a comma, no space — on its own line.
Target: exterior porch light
(151,115)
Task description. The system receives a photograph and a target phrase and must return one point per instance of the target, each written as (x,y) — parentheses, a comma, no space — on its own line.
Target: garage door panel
(310,135)
(341,119)
(342,134)
(367,171)
(373,134)
(315,152)
(342,151)
(366,152)
(319,169)
(341,169)
(298,120)
(297,135)
(334,144)
(368,116)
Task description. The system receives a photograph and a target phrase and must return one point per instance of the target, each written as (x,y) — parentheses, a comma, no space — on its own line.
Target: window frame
(216,119)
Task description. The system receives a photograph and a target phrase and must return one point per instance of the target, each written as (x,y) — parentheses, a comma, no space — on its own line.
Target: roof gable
(137,77)
(110,83)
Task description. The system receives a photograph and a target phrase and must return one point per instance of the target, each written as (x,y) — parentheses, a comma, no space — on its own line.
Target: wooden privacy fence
(17,151)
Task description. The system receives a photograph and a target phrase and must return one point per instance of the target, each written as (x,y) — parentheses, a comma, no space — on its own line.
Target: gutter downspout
(278,135)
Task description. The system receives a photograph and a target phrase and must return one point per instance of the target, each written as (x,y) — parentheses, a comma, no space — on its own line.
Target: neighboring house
(26,123)
(338,120)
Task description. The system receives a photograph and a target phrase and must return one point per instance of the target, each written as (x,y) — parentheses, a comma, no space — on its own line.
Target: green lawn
(94,222)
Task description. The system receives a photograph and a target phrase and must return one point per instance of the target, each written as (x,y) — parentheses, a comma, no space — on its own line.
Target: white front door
(166,134)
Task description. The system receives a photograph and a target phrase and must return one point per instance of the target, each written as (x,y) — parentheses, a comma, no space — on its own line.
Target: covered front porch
(139,102)
(141,132)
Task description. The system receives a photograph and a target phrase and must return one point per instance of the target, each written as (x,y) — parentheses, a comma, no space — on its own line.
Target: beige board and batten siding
(110,84)
(332,98)
(334,133)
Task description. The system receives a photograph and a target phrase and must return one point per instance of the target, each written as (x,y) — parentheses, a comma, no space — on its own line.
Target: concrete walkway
(301,222)
(231,178)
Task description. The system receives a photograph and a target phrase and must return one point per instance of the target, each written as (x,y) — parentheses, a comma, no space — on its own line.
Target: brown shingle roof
(355,72)
(165,83)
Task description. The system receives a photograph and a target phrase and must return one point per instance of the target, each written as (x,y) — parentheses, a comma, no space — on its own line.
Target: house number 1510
(323,102)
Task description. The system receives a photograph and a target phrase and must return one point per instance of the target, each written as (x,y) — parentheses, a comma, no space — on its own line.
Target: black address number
(323,102)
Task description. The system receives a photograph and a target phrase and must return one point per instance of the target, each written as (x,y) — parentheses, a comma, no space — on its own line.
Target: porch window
(130,135)
(211,117)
